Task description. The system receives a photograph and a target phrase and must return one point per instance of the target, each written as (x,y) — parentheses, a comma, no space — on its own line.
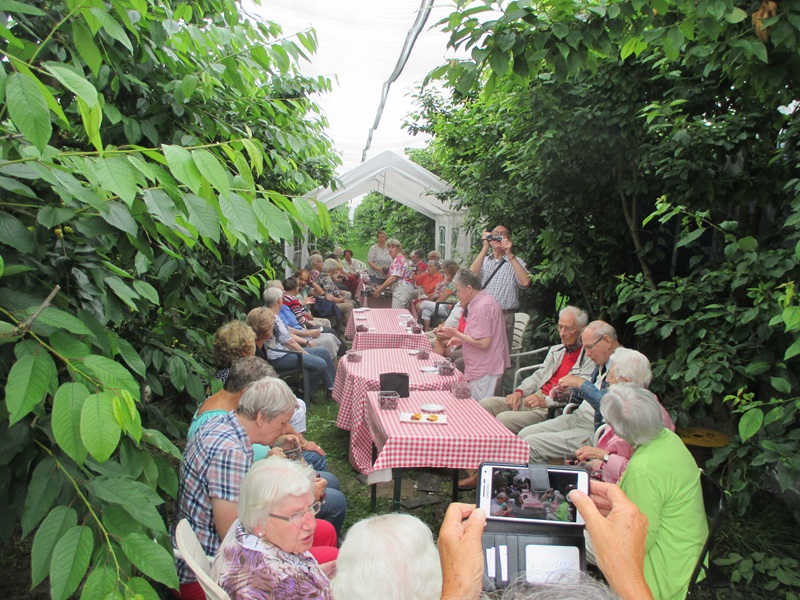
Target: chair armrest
(521,370)
(435,316)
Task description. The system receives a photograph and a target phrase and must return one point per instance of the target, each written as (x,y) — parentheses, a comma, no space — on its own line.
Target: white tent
(407,183)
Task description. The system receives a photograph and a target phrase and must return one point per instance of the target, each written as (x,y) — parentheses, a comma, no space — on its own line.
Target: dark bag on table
(395,382)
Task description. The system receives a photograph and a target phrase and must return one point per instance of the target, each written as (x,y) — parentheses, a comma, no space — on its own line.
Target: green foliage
(379,212)
(151,162)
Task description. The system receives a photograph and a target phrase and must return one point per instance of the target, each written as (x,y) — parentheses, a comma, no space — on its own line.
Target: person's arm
(481,343)
(461,552)
(590,392)
(618,530)
(224,513)
(521,273)
(477,264)
(389,281)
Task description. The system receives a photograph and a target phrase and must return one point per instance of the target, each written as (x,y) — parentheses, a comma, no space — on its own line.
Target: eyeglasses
(591,346)
(566,328)
(299,515)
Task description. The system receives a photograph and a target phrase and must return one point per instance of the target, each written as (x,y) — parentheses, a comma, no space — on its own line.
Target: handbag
(395,382)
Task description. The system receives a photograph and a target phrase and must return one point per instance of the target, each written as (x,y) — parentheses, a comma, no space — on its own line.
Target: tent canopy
(409,184)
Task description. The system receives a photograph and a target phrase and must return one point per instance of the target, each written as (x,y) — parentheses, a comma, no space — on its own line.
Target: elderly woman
(445,291)
(314,335)
(379,259)
(274,348)
(663,481)
(388,557)
(231,341)
(483,341)
(611,455)
(266,552)
(332,291)
(430,278)
(352,265)
(401,277)
(308,293)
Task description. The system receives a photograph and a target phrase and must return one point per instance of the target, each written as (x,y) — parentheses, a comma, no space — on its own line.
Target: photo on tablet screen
(506,494)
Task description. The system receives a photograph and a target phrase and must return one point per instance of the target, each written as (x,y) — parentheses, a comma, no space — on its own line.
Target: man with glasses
(501,273)
(528,404)
(551,440)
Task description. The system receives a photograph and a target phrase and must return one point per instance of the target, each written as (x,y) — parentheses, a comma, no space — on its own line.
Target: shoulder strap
(496,269)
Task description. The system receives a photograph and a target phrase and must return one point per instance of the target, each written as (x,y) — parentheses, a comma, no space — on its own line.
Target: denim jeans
(317,362)
(334,507)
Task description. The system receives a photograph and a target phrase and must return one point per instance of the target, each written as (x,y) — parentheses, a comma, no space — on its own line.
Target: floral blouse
(401,268)
(326,283)
(381,257)
(249,568)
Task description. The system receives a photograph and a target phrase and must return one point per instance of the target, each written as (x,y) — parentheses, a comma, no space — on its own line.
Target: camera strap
(496,269)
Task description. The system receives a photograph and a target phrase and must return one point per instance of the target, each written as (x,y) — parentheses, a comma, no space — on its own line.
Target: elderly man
(501,273)
(484,347)
(216,459)
(528,404)
(551,440)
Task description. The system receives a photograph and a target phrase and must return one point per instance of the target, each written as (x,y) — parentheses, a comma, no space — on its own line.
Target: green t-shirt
(663,480)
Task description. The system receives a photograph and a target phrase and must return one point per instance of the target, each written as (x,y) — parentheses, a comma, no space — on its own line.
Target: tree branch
(23,328)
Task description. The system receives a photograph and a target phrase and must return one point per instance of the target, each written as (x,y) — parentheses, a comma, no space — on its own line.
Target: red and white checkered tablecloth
(470,436)
(388,333)
(354,380)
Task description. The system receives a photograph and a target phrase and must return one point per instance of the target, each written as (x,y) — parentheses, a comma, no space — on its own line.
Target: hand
(589,452)
(385,270)
(310,344)
(454,342)
(313,447)
(310,300)
(595,465)
(571,381)
(535,401)
(314,333)
(319,488)
(276,452)
(618,530)
(514,400)
(506,245)
(484,235)
(451,332)
(376,293)
(461,553)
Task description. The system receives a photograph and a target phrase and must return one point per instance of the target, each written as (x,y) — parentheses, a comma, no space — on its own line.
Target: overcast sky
(359,44)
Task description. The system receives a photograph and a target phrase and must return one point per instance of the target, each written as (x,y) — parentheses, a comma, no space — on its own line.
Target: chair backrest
(521,321)
(194,555)
(715,504)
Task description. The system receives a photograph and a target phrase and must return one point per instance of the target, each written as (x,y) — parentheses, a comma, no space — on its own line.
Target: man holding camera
(502,274)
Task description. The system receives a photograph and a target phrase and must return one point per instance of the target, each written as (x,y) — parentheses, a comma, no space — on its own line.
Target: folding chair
(192,552)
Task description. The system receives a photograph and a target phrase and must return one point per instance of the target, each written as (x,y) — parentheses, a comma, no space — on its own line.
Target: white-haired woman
(332,292)
(611,455)
(663,481)
(265,554)
(400,279)
(388,557)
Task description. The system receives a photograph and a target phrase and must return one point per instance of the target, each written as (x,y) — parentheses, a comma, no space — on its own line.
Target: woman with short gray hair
(610,456)
(332,291)
(663,480)
(266,554)
(400,277)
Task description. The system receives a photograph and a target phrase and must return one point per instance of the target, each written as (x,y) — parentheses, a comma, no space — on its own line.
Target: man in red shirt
(528,404)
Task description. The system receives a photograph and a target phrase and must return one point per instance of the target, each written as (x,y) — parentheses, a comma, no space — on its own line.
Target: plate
(423,418)
(432,408)
(372,328)
(429,370)
(360,310)
(413,352)
(361,318)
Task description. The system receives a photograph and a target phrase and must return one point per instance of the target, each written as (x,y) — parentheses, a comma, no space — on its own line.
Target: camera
(495,238)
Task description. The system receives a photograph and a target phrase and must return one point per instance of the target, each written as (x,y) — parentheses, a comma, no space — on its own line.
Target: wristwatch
(606,457)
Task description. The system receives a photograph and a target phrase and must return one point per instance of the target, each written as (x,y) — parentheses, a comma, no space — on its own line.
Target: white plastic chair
(192,552)
(521,322)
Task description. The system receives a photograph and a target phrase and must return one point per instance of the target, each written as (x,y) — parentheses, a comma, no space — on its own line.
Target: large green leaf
(212,170)
(140,585)
(43,489)
(62,320)
(203,217)
(112,28)
(160,206)
(131,357)
(14,234)
(74,82)
(60,520)
(122,290)
(28,382)
(750,423)
(84,42)
(116,175)
(157,439)
(100,431)
(183,167)
(112,374)
(153,560)
(240,217)
(135,498)
(101,582)
(66,419)
(147,291)
(274,219)
(73,552)
(177,373)
(28,109)
(118,215)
